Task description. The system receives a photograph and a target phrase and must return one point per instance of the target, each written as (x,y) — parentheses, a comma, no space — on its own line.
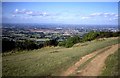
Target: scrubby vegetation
(7,45)
(70,41)
(88,37)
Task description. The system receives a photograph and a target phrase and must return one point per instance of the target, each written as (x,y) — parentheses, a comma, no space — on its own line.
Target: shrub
(70,41)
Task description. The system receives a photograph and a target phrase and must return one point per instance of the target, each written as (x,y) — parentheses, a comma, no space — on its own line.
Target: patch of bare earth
(95,66)
(73,68)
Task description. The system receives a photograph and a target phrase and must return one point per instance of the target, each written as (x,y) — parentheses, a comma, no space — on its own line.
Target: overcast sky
(60,12)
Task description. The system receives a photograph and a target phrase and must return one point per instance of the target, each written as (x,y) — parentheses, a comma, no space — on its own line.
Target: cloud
(16,10)
(104,14)
(101,16)
(13,15)
(31,13)
(96,14)
(116,15)
(23,11)
(115,18)
(110,19)
(85,17)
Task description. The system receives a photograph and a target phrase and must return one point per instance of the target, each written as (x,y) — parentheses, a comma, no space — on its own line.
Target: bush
(7,45)
(26,45)
(61,43)
(69,44)
(87,37)
(90,36)
(70,41)
(51,43)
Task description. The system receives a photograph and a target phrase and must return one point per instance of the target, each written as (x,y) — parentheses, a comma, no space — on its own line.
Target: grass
(50,60)
(111,68)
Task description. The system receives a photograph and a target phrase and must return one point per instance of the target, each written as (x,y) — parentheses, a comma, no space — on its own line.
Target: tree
(70,41)
(7,45)
(90,36)
(26,45)
(52,42)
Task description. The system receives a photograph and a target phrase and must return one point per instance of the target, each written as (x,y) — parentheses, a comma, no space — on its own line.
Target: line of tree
(87,37)
(95,35)
(8,45)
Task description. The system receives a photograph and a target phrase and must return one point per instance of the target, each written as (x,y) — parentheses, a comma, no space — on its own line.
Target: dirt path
(81,61)
(95,66)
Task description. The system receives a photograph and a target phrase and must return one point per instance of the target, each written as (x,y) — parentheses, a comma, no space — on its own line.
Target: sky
(60,0)
(100,13)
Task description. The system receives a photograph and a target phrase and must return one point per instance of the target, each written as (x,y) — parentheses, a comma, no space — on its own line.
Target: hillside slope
(50,61)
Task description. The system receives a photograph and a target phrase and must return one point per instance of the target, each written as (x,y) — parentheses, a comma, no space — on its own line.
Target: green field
(111,68)
(49,61)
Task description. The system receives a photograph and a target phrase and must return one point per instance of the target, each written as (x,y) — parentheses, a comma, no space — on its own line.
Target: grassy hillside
(49,60)
(111,68)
